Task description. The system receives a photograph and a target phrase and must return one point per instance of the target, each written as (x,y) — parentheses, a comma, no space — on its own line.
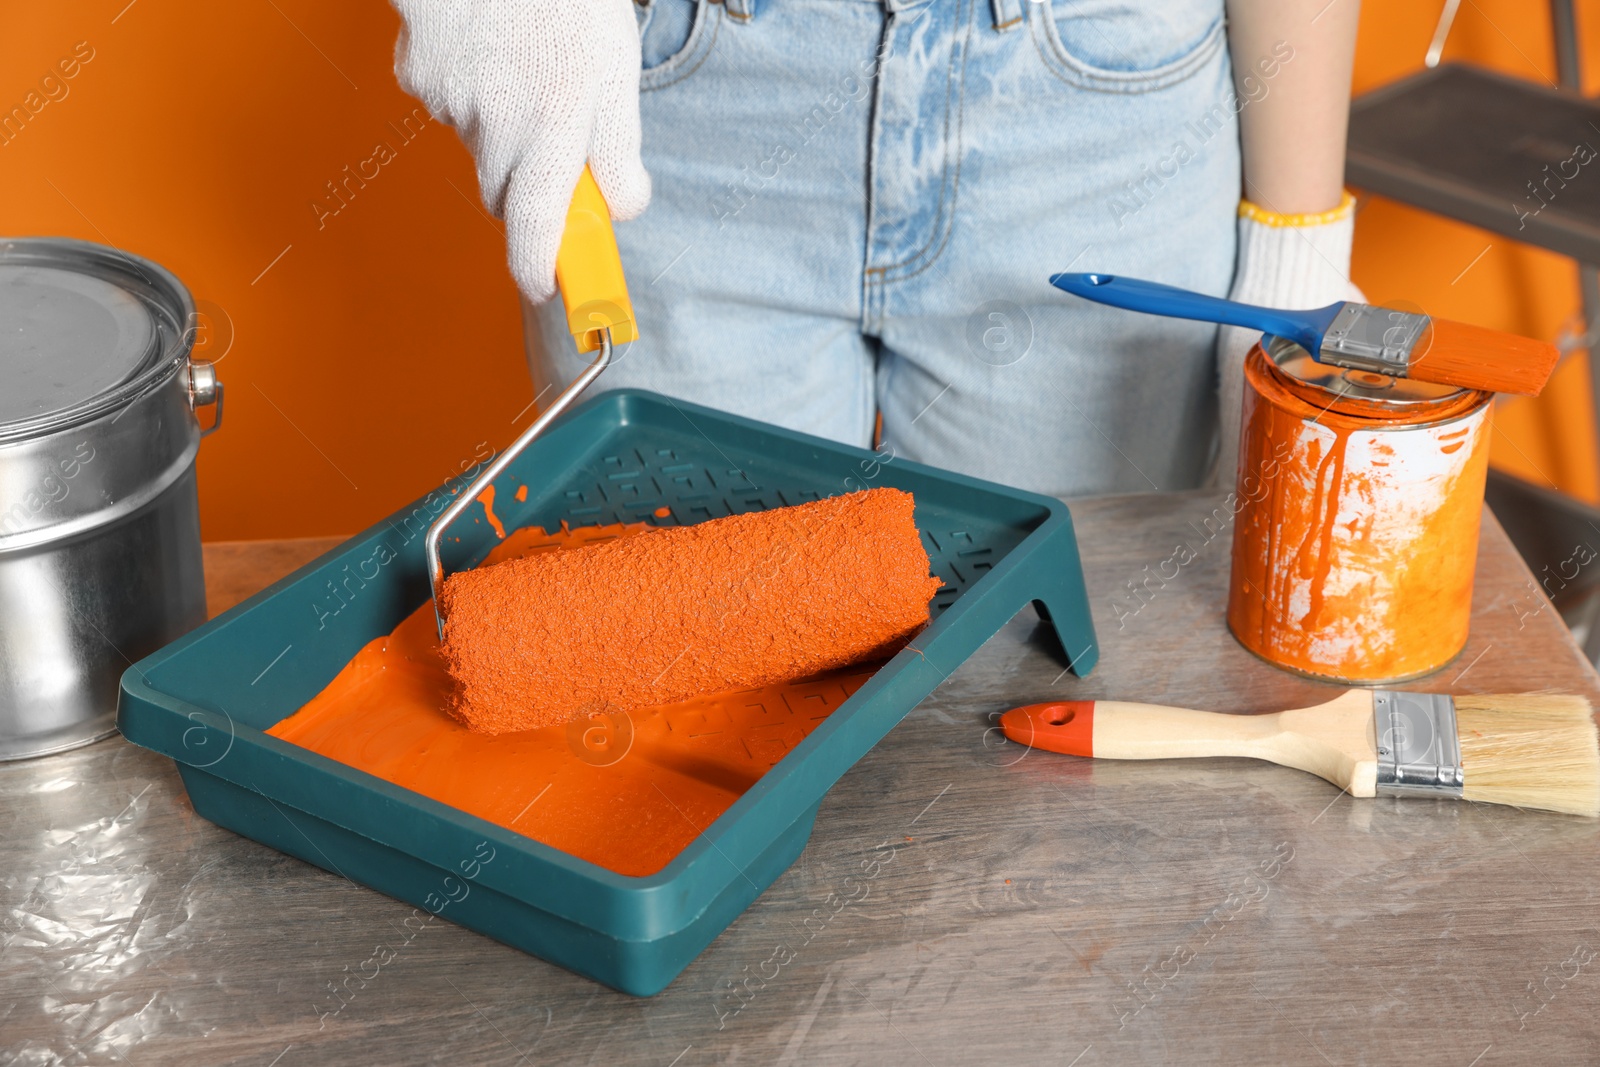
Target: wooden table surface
(1038,909)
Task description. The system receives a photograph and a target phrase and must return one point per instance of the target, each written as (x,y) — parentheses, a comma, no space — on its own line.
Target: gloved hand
(1285,261)
(536,88)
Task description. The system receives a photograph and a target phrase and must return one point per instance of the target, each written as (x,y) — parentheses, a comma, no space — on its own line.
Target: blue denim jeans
(858,205)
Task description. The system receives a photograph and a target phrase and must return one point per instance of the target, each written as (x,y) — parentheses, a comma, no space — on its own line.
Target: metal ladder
(1522,160)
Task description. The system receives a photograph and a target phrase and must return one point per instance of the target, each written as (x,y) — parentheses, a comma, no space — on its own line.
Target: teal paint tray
(206,699)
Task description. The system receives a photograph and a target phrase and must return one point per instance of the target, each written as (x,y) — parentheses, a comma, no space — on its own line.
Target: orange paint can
(1358,502)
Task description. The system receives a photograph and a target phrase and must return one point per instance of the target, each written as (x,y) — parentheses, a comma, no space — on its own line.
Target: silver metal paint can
(100,560)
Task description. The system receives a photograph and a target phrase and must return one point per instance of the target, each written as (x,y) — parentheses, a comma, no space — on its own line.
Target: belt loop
(1007,14)
(742,10)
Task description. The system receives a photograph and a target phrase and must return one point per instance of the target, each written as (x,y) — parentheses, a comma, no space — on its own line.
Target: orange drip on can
(1358,503)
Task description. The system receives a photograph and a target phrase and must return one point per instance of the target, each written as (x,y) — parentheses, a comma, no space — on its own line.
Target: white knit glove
(536,88)
(1285,261)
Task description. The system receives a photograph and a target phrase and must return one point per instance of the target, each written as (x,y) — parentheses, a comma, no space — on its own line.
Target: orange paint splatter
(522,494)
(627,792)
(486,498)
(662,513)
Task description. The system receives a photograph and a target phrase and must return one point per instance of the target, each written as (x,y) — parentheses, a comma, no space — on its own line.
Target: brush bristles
(1530,751)
(1455,353)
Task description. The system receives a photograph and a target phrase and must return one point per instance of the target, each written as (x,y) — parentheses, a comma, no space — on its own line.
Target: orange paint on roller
(627,793)
(678,612)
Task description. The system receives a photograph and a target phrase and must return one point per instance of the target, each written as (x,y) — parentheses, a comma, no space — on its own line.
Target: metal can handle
(205,389)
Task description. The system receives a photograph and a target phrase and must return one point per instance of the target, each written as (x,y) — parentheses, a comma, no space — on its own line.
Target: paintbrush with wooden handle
(1528,750)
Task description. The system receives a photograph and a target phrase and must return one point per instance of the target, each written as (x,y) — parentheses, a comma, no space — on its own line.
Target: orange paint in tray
(625,791)
(1358,504)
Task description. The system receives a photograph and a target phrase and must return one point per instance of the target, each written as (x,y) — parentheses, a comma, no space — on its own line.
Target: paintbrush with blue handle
(1400,344)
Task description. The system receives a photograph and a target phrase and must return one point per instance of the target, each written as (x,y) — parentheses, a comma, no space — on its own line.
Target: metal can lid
(84,329)
(1369,388)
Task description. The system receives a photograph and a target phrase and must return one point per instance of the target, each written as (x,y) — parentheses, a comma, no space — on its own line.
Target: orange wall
(380,350)
(385,344)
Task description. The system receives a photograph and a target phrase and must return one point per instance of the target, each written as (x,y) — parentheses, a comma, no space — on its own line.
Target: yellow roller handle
(589,271)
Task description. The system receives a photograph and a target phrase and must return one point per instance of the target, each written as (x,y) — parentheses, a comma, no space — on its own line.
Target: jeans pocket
(675,37)
(1128,46)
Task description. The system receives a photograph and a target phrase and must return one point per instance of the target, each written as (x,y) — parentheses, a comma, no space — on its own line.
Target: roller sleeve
(679,612)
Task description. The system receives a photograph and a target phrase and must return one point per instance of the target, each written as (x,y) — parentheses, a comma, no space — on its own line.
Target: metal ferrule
(1363,337)
(1419,753)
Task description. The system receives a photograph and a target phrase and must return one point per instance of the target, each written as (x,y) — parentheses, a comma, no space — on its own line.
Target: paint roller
(677,612)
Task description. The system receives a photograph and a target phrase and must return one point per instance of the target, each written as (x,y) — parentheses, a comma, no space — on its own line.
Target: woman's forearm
(1292,130)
